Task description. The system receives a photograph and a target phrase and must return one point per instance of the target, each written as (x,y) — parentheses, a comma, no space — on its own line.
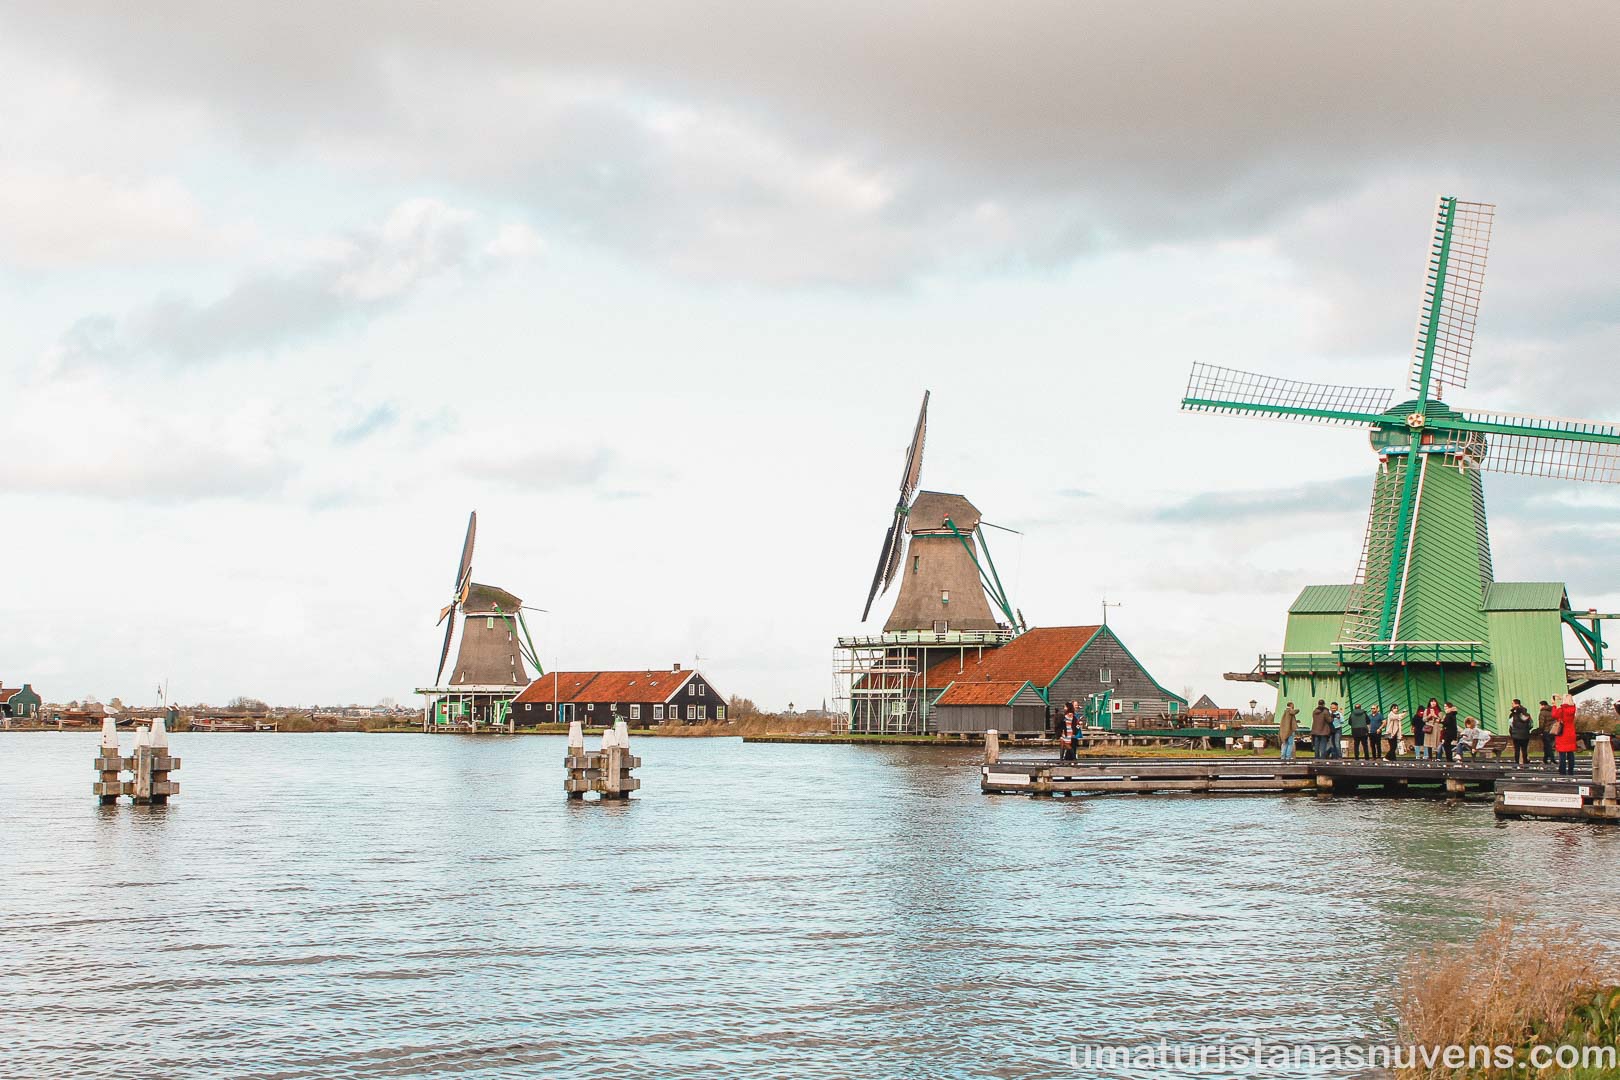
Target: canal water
(321,906)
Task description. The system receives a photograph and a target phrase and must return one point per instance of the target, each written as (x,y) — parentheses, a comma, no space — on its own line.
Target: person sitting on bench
(1472,739)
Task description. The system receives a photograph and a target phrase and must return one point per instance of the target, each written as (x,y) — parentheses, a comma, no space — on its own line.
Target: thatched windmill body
(493,656)
(951,598)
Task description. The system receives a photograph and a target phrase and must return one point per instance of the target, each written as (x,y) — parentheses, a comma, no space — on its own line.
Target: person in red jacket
(1564,737)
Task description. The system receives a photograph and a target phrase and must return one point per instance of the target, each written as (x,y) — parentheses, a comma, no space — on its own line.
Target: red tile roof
(1038,655)
(981,693)
(609,686)
(7,692)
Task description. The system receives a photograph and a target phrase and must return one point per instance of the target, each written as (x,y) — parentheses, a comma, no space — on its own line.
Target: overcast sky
(288,289)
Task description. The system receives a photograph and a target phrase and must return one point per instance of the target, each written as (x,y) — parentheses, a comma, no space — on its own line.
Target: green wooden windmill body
(1425,616)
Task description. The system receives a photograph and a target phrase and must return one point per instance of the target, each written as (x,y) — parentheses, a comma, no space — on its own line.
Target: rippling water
(401,906)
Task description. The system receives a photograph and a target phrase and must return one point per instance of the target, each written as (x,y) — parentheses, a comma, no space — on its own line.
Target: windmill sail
(914,455)
(1216,389)
(1549,446)
(888,558)
(1445,329)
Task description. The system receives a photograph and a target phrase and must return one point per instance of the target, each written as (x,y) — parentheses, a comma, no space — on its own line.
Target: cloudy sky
(288,289)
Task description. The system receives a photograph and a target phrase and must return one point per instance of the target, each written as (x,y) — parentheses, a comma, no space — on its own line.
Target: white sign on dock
(1019,779)
(1567,800)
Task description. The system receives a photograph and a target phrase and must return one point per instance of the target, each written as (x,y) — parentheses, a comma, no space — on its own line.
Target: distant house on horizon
(19,703)
(640,698)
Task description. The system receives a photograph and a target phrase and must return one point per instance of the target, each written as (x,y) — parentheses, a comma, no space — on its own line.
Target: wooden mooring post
(605,771)
(149,766)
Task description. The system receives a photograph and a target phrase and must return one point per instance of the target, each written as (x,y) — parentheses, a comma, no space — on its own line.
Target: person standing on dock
(1519,732)
(1544,724)
(1321,728)
(1431,730)
(1066,735)
(1336,740)
(1286,726)
(1418,749)
(1375,731)
(1359,723)
(1392,732)
(1564,735)
(1449,732)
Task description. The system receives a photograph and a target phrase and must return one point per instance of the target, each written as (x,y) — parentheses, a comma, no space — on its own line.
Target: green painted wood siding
(1528,648)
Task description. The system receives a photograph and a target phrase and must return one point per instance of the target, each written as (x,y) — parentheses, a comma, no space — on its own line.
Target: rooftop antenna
(1106,604)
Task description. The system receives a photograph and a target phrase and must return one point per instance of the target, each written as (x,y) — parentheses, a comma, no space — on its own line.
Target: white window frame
(719,712)
(691,712)
(700,689)
(658,712)
(635,712)
(703,712)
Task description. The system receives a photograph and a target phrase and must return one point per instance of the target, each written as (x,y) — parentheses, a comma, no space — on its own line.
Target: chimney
(675,667)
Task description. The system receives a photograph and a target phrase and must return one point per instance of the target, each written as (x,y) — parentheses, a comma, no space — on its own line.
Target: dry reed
(1516,983)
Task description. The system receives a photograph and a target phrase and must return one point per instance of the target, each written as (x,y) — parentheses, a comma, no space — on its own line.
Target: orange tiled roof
(1037,655)
(981,693)
(567,686)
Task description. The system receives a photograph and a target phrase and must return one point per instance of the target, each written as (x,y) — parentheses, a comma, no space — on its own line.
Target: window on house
(916,563)
(700,690)
(527,707)
(548,708)
(1104,675)
(635,712)
(703,712)
(489,622)
(690,689)
(719,712)
(1136,706)
(944,596)
(591,707)
(658,712)
(691,712)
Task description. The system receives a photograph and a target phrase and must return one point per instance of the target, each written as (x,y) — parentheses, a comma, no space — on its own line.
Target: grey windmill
(947,578)
(495,642)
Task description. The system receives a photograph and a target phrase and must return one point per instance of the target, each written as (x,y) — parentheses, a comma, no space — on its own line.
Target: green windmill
(1425,616)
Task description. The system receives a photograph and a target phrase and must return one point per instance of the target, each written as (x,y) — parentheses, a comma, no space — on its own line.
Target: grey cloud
(377,420)
(856,143)
(1344,495)
(543,469)
(360,275)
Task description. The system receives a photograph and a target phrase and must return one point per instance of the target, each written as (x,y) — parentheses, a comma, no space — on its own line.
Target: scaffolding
(879,681)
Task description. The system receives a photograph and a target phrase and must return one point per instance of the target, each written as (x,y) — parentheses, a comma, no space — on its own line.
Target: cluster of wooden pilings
(605,771)
(149,766)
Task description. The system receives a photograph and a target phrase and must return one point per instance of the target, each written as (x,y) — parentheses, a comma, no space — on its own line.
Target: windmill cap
(930,509)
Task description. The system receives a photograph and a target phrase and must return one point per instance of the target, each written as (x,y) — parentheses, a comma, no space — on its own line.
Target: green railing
(1346,654)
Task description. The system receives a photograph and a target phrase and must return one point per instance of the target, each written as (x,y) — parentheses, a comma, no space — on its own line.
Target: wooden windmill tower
(935,547)
(1425,616)
(490,661)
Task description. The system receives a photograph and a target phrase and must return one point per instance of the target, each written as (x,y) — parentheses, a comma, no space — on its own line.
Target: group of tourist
(1071,725)
(1436,732)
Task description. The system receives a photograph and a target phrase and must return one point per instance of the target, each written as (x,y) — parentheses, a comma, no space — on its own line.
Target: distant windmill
(492,652)
(1417,621)
(945,582)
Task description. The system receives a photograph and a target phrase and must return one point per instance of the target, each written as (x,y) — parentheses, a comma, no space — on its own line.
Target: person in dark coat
(1419,749)
(1287,725)
(1066,735)
(1449,731)
(1544,722)
(1519,732)
(1321,728)
(1359,723)
(1375,731)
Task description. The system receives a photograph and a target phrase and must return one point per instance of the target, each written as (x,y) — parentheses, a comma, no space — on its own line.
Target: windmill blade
(913,474)
(447,609)
(464,568)
(1456,277)
(1215,389)
(1543,445)
(444,653)
(886,559)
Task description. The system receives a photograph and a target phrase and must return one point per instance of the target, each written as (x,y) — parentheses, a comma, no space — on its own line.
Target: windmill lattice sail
(1556,454)
(1216,389)
(1457,265)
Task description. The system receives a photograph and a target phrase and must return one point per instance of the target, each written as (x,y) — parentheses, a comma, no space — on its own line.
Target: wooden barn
(19,703)
(1082,664)
(598,698)
(972,708)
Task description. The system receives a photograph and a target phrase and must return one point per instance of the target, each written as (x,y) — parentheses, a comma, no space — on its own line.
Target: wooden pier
(1532,791)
